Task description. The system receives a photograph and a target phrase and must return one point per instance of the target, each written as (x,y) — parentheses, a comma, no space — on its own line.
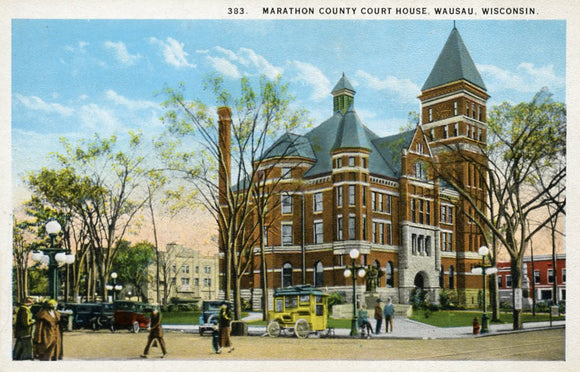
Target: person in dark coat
(47,336)
(23,331)
(378,316)
(224,323)
(155,333)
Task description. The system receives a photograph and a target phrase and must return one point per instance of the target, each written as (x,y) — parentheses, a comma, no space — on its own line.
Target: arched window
(451,278)
(428,246)
(442,277)
(287,275)
(318,274)
(390,279)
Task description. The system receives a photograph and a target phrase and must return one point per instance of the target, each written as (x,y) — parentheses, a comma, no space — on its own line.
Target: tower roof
(453,64)
(351,132)
(343,84)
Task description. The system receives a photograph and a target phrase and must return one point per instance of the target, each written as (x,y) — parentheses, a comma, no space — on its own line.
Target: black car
(91,315)
(209,315)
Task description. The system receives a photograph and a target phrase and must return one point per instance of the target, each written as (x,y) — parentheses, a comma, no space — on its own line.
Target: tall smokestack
(224,143)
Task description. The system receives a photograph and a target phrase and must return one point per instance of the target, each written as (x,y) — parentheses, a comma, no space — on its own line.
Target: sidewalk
(403,329)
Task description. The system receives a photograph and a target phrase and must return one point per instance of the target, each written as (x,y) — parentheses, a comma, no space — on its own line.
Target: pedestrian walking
(389,314)
(378,316)
(47,335)
(23,331)
(155,334)
(224,323)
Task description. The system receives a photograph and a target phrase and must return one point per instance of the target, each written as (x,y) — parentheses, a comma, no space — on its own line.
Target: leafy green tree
(192,150)
(131,264)
(97,185)
(523,172)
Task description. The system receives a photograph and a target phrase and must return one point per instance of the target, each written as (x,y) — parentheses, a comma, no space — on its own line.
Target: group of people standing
(39,338)
(386,313)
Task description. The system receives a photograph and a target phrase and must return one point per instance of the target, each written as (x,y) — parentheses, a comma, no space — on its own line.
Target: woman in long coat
(47,337)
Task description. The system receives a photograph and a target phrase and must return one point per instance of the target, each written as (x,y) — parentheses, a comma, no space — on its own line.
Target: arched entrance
(419,281)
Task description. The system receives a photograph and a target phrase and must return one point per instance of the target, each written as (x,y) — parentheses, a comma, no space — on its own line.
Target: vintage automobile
(131,315)
(209,315)
(300,309)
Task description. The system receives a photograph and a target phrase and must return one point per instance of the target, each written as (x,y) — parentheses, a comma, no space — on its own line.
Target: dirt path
(122,345)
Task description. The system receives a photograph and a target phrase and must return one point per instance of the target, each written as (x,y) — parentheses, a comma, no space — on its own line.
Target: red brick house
(344,187)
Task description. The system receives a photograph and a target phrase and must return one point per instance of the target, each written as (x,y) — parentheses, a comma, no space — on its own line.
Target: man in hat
(378,316)
(155,333)
(23,331)
(47,337)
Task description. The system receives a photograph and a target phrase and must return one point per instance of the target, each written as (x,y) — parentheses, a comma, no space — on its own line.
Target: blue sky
(73,78)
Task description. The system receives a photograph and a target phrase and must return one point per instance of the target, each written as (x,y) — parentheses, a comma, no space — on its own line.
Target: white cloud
(131,104)
(526,79)
(403,88)
(121,53)
(79,48)
(37,104)
(173,52)
(311,75)
(255,63)
(97,118)
(224,67)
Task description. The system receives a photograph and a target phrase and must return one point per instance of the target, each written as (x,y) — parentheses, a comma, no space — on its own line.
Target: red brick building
(344,187)
(539,275)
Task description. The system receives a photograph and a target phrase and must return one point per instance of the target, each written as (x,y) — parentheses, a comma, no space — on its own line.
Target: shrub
(335,298)
(447,299)
(562,307)
(504,305)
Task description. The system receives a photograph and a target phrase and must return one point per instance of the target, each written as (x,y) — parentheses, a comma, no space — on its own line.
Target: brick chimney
(224,144)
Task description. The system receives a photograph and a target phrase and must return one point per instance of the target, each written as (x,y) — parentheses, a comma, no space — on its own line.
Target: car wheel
(301,328)
(135,328)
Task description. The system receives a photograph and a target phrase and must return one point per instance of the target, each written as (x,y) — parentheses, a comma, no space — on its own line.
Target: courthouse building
(380,195)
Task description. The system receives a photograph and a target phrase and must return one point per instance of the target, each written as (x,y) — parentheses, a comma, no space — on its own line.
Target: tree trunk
(516,271)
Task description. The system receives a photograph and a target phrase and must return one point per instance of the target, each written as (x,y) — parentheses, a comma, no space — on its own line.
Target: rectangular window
(421,214)
(351,195)
(207,269)
(374,232)
(430,115)
(413,210)
(382,233)
(443,241)
(318,233)
(339,162)
(364,162)
(536,276)
(196,282)
(351,228)
(197,269)
(317,202)
(339,196)
(445,132)
(380,197)
(456,130)
(286,204)
(339,228)
(455,108)
(550,276)
(351,161)
(364,196)
(364,228)
(388,204)
(286,172)
(374,200)
(499,281)
(508,281)
(286,234)
(414,244)
(428,213)
(389,234)
(473,110)
(185,269)
(563,275)
(184,281)
(450,242)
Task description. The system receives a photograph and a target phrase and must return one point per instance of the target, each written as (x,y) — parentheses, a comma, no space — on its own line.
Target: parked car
(209,315)
(131,315)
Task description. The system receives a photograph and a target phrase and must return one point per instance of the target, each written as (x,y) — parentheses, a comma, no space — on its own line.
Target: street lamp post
(483,270)
(354,270)
(115,287)
(53,257)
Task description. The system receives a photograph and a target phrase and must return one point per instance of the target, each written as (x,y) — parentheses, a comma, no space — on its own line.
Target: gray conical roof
(351,132)
(343,83)
(454,63)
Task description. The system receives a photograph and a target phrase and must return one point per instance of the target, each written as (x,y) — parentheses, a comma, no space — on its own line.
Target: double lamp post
(483,271)
(53,257)
(353,271)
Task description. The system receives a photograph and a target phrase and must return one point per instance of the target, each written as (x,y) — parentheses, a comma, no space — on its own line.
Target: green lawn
(465,318)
